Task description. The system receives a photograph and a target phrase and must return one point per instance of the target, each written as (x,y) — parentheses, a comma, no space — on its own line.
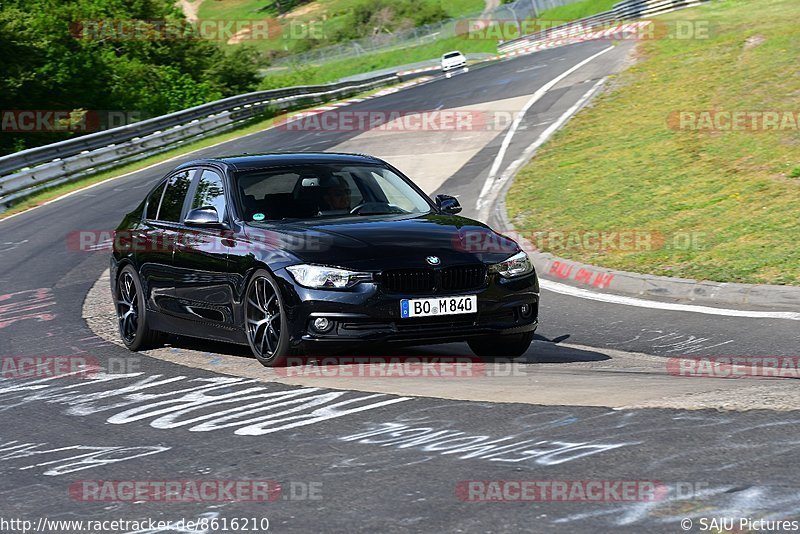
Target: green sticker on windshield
(258,216)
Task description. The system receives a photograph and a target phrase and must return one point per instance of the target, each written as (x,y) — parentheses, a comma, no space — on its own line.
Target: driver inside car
(336,196)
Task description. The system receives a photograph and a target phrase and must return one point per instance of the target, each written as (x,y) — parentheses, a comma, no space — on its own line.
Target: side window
(172,205)
(153,202)
(210,193)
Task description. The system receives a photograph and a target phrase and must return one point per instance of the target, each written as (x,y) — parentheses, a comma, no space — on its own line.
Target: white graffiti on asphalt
(63,460)
(483,447)
(673,342)
(199,404)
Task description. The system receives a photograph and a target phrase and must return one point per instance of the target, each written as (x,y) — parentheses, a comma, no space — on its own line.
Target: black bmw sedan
(311,252)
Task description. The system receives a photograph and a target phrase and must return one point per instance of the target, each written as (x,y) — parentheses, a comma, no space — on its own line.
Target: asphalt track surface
(369,472)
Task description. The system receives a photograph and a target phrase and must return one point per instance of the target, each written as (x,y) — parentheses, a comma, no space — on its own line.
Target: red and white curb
(620,29)
(415,71)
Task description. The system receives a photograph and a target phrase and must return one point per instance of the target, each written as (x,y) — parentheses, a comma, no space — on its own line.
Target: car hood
(383,242)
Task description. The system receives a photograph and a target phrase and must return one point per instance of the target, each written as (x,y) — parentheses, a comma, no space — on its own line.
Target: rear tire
(509,346)
(132,316)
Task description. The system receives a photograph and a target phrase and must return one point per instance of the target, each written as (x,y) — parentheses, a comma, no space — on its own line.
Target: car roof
(244,162)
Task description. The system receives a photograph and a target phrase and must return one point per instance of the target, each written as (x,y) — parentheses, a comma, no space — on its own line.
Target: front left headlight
(517,265)
(322,277)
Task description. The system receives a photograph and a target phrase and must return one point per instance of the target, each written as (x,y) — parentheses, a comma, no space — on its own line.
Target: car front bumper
(446,68)
(366,314)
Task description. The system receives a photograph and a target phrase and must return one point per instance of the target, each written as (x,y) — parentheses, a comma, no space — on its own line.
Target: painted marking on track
(490,180)
(72,458)
(24,305)
(570,291)
(526,69)
(493,185)
(507,449)
(11,245)
(197,404)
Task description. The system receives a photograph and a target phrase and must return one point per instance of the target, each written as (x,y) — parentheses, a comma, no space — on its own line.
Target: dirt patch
(754,41)
(190,9)
(490,5)
(300,11)
(240,36)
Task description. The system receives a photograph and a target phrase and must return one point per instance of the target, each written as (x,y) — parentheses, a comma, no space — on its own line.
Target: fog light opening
(525,310)
(322,325)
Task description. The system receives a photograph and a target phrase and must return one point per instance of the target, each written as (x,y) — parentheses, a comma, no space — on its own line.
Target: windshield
(325,190)
(452,54)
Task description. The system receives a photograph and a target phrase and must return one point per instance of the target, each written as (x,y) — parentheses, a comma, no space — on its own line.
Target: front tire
(132,316)
(265,320)
(509,346)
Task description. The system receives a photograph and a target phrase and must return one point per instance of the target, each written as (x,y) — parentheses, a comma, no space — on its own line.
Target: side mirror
(448,204)
(205,217)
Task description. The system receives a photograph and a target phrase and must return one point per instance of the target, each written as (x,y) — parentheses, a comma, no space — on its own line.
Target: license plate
(438,306)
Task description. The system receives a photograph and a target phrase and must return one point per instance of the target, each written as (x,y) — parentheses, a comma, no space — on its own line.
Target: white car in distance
(452,61)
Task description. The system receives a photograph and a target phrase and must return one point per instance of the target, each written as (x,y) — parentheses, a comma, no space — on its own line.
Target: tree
(108,55)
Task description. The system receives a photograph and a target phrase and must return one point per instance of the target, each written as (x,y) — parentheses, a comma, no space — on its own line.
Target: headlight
(321,277)
(517,265)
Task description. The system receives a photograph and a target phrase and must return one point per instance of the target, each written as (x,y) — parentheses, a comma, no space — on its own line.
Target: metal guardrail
(32,170)
(622,11)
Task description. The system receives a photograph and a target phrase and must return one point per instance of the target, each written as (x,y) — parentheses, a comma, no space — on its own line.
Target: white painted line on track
(492,188)
(570,291)
(498,160)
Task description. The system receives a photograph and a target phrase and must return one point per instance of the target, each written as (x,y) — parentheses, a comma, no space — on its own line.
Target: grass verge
(625,164)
